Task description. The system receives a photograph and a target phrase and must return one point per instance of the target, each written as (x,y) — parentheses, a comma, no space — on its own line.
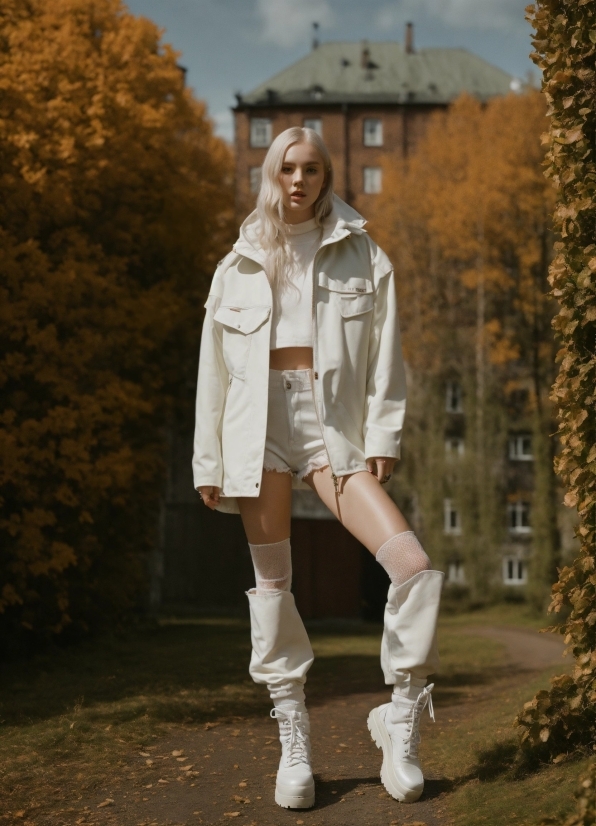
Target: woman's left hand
(381,467)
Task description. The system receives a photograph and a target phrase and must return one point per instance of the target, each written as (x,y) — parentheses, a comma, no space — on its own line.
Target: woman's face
(302,177)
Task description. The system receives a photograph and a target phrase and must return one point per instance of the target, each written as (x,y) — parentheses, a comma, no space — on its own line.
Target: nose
(298,179)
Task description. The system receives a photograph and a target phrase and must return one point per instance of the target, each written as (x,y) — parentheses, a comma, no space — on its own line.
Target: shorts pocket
(238,327)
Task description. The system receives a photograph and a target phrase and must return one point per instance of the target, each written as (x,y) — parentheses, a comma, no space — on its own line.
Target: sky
(232,46)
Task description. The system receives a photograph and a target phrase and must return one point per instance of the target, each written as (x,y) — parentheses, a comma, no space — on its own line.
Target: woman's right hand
(210,496)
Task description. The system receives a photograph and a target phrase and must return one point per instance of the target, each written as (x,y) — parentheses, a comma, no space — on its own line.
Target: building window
(520,447)
(316,124)
(518,517)
(454,446)
(260,132)
(373,179)
(456,573)
(451,518)
(373,132)
(454,397)
(255,174)
(515,571)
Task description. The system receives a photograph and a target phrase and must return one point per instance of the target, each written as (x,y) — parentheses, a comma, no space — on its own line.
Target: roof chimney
(409,38)
(365,55)
(315,35)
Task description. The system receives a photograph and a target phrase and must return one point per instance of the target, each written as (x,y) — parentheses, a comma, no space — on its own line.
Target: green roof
(334,73)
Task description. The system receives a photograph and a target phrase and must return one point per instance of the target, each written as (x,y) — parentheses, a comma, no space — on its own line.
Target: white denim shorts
(294,442)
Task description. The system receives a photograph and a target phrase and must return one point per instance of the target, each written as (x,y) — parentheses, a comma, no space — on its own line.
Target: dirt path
(225,773)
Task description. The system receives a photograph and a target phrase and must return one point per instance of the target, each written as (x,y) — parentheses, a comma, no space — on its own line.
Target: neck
(295,217)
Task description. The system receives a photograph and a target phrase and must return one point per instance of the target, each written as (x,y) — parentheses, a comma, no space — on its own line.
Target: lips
(297,195)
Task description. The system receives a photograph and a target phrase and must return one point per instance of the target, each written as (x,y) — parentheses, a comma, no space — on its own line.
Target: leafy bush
(563,719)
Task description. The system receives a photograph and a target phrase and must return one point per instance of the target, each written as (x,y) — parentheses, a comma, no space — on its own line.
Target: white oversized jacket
(359,380)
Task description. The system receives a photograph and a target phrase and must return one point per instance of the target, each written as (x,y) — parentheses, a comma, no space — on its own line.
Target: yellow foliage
(471,210)
(115,204)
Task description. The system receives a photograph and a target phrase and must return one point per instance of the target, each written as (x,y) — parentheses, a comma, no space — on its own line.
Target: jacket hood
(341,221)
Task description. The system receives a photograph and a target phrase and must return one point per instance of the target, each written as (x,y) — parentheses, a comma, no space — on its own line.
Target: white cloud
(289,22)
(502,15)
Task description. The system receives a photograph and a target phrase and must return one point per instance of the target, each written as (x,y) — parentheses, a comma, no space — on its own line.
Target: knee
(273,566)
(403,557)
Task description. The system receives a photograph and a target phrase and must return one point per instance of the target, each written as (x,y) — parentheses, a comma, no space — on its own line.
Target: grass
(70,718)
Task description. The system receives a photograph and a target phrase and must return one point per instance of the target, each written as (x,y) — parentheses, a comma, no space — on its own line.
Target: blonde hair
(272,227)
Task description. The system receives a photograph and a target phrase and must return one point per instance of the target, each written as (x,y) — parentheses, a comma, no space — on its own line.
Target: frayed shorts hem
(318,462)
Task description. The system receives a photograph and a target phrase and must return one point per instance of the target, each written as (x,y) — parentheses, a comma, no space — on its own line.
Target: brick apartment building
(369,101)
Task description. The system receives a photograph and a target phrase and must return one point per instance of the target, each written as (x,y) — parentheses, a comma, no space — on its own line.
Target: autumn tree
(466,220)
(115,206)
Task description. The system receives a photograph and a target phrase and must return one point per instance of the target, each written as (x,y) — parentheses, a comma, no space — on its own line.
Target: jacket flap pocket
(244,319)
(351,286)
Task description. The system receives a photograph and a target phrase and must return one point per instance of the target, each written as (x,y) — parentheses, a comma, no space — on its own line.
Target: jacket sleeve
(212,386)
(386,380)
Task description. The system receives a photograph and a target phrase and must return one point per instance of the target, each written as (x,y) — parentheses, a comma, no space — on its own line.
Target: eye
(286,169)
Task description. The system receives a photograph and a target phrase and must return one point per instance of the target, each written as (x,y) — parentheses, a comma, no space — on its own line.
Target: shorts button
(238,326)
(257,485)
(288,385)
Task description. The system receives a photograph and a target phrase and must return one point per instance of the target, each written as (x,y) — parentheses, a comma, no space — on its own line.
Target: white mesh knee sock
(403,556)
(273,566)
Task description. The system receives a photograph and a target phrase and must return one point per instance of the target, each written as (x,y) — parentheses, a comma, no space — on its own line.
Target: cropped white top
(291,322)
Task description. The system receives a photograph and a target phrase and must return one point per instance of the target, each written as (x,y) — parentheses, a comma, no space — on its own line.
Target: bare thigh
(362,506)
(267,518)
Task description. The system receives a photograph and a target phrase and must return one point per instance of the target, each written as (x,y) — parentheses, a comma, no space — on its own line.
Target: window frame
(456,572)
(319,131)
(514,565)
(516,447)
(519,509)
(377,134)
(453,389)
(449,510)
(267,124)
(366,170)
(452,453)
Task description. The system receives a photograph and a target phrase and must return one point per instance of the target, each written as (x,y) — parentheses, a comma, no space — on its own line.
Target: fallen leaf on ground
(207,726)
(243,785)
(144,754)
(188,767)
(149,762)
(231,814)
(107,802)
(177,753)
(161,780)
(239,799)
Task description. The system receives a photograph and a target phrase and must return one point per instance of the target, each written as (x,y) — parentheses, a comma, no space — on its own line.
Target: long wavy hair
(273,234)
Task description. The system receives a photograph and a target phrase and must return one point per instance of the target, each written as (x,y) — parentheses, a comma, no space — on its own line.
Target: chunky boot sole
(291,801)
(389,779)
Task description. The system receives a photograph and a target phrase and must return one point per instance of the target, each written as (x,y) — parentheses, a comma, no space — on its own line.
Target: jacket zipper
(315,372)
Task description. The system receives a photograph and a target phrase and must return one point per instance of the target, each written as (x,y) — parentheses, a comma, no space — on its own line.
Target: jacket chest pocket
(353,297)
(238,327)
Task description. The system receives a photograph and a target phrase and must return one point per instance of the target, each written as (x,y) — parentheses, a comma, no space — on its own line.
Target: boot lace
(412,738)
(293,735)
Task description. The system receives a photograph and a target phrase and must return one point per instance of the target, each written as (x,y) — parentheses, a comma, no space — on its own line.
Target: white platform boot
(408,655)
(281,657)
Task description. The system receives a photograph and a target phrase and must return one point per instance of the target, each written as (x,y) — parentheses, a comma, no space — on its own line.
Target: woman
(301,380)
